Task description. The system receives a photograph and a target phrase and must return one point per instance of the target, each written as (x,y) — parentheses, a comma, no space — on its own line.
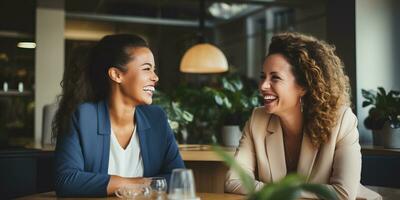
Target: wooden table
(203,196)
(387,194)
(378,150)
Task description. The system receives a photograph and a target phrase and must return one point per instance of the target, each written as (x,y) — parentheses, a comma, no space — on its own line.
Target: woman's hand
(117,182)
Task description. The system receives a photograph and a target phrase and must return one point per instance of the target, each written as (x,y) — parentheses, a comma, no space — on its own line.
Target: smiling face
(139,81)
(278,86)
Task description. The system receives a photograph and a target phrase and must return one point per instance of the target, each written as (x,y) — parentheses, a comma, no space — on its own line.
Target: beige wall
(49,58)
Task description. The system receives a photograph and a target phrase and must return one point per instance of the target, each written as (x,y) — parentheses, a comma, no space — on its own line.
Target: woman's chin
(269,109)
(148,101)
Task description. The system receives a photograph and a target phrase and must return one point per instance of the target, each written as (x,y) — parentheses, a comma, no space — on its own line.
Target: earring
(301,105)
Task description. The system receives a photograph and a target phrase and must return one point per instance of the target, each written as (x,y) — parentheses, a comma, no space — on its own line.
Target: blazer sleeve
(71,179)
(346,168)
(245,156)
(172,158)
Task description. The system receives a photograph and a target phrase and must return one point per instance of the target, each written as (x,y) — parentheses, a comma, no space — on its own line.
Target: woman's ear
(115,74)
(303,91)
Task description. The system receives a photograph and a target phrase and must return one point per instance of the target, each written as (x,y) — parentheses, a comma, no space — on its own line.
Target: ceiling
(18,16)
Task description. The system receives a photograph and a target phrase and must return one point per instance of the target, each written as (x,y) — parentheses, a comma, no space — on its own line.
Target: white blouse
(125,162)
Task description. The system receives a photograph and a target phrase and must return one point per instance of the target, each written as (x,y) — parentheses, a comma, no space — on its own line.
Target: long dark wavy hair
(86,79)
(319,70)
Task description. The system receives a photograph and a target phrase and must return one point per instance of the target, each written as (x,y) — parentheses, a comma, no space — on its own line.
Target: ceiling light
(204,58)
(26,45)
(226,11)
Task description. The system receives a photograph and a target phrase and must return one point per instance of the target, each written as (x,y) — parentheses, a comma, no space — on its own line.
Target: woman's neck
(292,123)
(121,111)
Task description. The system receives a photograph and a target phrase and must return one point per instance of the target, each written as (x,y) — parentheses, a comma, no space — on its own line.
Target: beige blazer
(336,163)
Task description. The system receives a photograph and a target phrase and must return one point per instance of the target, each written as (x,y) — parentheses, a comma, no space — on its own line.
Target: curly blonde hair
(320,71)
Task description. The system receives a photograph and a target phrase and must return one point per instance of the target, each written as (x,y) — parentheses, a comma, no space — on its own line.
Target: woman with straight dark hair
(108,134)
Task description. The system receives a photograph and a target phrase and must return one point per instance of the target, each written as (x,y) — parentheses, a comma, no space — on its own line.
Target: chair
(49,111)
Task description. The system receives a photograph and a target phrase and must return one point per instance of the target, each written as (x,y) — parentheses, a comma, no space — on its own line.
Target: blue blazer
(82,154)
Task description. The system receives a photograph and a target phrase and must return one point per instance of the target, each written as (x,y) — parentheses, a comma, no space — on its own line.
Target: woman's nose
(154,77)
(265,84)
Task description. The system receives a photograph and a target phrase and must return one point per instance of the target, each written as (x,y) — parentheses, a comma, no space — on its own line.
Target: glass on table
(182,186)
(135,191)
(158,187)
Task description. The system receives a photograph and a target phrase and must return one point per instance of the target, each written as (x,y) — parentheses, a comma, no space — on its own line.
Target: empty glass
(158,186)
(137,191)
(182,185)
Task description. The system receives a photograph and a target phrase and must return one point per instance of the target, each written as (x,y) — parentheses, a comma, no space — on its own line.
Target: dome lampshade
(204,58)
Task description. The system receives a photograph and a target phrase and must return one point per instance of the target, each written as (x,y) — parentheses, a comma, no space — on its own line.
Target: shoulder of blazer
(259,113)
(151,111)
(150,116)
(259,118)
(347,122)
(93,117)
(86,111)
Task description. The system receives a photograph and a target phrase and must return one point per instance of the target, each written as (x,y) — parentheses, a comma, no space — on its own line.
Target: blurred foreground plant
(289,188)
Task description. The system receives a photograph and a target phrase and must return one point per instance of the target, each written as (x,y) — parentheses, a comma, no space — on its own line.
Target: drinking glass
(136,191)
(158,186)
(182,185)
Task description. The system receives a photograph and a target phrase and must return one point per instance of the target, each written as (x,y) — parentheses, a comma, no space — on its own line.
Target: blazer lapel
(308,154)
(103,118)
(275,149)
(143,126)
(104,130)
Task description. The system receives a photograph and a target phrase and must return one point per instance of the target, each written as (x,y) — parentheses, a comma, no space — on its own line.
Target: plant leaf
(369,95)
(187,116)
(366,103)
(227,85)
(238,84)
(227,103)
(382,91)
(218,100)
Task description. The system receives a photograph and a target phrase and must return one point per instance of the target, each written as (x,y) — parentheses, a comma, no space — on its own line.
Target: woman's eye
(262,77)
(276,77)
(147,68)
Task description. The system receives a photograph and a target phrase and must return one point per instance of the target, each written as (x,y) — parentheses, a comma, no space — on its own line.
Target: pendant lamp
(203,57)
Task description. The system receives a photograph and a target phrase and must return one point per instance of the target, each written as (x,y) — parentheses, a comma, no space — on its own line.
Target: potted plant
(206,114)
(384,116)
(178,116)
(236,101)
(289,188)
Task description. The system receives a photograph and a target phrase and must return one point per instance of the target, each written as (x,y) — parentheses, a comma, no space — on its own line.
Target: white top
(125,162)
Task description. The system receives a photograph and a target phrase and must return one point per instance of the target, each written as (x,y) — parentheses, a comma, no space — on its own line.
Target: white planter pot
(391,137)
(231,135)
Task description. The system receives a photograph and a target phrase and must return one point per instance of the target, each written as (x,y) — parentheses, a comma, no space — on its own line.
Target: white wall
(49,58)
(376,51)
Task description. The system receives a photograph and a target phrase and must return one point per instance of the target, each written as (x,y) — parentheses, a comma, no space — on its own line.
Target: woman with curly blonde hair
(306,125)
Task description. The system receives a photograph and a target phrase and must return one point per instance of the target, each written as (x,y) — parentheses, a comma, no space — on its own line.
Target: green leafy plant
(235,100)
(385,108)
(289,188)
(206,114)
(178,116)
(193,109)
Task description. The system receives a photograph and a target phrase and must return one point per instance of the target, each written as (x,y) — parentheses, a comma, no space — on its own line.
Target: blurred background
(40,39)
